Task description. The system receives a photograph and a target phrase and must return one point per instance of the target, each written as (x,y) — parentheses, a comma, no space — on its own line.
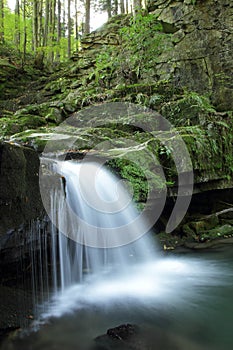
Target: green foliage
(190,109)
(105,65)
(142,42)
(10,31)
(18,28)
(199,100)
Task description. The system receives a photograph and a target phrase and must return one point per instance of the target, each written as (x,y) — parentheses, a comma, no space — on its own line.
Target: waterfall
(93,217)
(100,254)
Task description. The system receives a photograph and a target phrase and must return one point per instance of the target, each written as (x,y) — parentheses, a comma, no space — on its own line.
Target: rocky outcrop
(201,32)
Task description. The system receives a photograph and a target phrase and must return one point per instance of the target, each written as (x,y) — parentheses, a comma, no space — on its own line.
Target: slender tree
(69,29)
(35,23)
(46,23)
(24,33)
(59,21)
(115,11)
(87,17)
(76,24)
(40,22)
(53,28)
(1,21)
(17,25)
(127,6)
(109,8)
(122,6)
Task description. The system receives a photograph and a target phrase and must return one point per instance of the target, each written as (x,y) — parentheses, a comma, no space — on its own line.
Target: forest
(51,30)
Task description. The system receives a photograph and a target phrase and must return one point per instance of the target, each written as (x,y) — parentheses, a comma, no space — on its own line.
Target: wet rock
(122,332)
(15,310)
(122,337)
(19,186)
(132,337)
(20,204)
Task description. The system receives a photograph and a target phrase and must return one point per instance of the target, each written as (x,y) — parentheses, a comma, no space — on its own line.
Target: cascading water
(93,218)
(85,226)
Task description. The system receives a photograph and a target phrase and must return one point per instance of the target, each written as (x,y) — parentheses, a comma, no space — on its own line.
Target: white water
(93,203)
(94,216)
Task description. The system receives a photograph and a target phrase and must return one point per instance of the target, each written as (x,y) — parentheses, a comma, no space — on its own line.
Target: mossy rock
(12,125)
(134,169)
(191,109)
(54,116)
(195,228)
(224,231)
(38,109)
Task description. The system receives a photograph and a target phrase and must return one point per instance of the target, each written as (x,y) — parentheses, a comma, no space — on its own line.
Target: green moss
(218,232)
(137,168)
(11,126)
(190,109)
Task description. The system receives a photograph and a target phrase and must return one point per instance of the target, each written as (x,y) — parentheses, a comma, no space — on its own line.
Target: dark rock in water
(132,337)
(122,332)
(123,337)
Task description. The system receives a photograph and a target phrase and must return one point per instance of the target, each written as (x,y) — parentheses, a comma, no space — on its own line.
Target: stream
(197,316)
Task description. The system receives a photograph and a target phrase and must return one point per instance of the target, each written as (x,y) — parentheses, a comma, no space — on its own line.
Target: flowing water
(179,301)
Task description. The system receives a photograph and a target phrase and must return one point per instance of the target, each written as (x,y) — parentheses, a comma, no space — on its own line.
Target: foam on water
(165,281)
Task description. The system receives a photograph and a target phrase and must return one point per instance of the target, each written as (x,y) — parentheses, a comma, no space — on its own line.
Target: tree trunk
(35,23)
(46,23)
(127,6)
(69,30)
(87,17)
(109,8)
(24,34)
(40,23)
(53,27)
(115,7)
(17,24)
(122,6)
(58,55)
(1,21)
(76,25)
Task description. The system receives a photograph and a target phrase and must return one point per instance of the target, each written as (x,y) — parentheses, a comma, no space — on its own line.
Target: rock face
(20,203)
(19,185)
(202,38)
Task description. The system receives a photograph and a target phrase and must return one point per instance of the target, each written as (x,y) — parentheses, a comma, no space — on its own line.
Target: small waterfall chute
(91,210)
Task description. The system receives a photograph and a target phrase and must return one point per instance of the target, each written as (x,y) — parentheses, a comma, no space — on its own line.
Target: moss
(137,168)
(54,116)
(218,232)
(190,109)
(12,125)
